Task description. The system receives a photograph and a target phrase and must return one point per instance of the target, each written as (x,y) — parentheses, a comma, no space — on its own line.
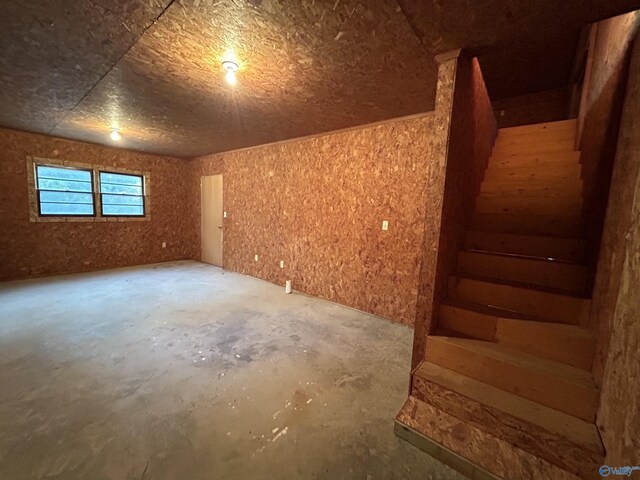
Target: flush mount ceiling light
(231,68)
(115,135)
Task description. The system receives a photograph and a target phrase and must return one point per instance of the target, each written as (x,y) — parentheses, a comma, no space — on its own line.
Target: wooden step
(568,249)
(536,304)
(542,225)
(503,147)
(537,128)
(565,188)
(539,148)
(562,343)
(558,438)
(529,205)
(516,171)
(558,386)
(534,159)
(569,277)
(531,175)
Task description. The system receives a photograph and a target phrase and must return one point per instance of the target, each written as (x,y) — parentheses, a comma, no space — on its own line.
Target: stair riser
(529,175)
(521,433)
(545,225)
(493,171)
(518,148)
(544,340)
(524,189)
(534,160)
(542,247)
(529,205)
(540,305)
(549,128)
(566,277)
(534,385)
(503,168)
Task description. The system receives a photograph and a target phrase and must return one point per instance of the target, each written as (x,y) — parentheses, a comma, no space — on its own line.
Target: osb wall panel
(538,107)
(619,415)
(605,98)
(471,138)
(601,113)
(318,205)
(492,453)
(46,248)
(438,145)
(466,136)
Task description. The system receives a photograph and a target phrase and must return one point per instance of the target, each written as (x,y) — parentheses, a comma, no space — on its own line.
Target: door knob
(219,226)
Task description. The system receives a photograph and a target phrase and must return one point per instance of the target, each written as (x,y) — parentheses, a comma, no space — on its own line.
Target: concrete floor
(183,371)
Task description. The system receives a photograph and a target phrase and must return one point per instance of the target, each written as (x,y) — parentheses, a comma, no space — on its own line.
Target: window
(64,191)
(122,195)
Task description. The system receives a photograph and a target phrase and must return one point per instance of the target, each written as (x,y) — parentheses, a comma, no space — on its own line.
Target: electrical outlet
(164,244)
(257,258)
(281,263)
(385,225)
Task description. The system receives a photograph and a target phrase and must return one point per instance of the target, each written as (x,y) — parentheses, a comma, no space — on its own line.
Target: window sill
(38,219)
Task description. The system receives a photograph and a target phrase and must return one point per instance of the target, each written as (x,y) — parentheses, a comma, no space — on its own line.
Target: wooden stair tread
(523,189)
(531,175)
(568,344)
(561,387)
(529,204)
(514,315)
(527,361)
(542,225)
(577,431)
(537,303)
(522,158)
(569,249)
(557,275)
(532,287)
(536,128)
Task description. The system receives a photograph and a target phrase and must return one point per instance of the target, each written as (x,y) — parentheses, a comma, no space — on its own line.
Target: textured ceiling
(152,68)
(305,67)
(523,45)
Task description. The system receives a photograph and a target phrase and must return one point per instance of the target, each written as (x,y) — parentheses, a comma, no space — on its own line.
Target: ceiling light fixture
(115,135)
(231,68)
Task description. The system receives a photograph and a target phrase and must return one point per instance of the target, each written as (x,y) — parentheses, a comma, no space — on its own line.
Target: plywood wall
(463,136)
(618,281)
(34,249)
(600,114)
(318,205)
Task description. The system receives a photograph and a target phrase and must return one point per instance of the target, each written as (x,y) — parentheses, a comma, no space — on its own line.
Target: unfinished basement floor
(184,371)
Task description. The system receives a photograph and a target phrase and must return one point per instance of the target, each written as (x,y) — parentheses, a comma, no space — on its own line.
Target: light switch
(224,214)
(281,263)
(256,258)
(164,244)
(385,225)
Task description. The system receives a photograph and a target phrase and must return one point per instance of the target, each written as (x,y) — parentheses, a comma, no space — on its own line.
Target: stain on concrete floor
(183,371)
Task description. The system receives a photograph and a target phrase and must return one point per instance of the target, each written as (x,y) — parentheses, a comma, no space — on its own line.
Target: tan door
(211,224)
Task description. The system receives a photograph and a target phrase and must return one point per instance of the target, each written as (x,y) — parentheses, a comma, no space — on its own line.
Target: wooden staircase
(511,357)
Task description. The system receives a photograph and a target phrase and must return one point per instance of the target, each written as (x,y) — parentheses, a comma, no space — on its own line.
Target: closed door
(211,222)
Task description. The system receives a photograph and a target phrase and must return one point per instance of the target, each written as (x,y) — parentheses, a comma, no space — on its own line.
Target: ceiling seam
(115,64)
